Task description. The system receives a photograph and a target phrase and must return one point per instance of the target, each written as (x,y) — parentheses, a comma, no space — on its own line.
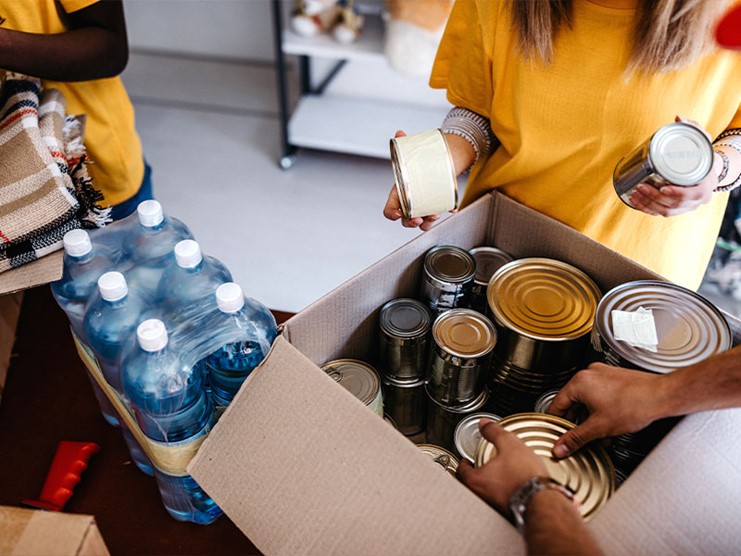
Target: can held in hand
(404,339)
(447,278)
(677,154)
(488,261)
(360,379)
(424,174)
(467,435)
(443,419)
(406,403)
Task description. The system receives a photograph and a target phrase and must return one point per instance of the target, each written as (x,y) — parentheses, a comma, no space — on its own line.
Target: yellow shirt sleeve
(71,6)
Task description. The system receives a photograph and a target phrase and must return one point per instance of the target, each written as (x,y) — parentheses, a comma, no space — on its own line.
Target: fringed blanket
(45,190)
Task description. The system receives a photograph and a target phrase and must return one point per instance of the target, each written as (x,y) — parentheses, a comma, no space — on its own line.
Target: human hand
(618,401)
(672,200)
(511,467)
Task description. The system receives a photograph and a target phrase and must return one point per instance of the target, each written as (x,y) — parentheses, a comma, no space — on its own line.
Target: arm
(553,524)
(621,401)
(94,47)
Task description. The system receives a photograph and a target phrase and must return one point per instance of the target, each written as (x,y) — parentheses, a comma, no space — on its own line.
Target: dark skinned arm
(94,47)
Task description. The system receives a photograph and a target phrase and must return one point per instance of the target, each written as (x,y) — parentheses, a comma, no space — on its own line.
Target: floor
(210,130)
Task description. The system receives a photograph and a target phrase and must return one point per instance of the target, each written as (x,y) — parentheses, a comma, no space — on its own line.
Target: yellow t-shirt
(564,127)
(111,140)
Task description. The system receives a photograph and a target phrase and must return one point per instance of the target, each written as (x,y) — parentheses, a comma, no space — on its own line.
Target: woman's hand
(672,200)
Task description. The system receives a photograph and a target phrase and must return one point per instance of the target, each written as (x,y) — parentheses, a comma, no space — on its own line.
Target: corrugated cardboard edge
(24,532)
(10,310)
(45,270)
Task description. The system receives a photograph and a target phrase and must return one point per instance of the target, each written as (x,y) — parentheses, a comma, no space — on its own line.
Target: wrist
(533,494)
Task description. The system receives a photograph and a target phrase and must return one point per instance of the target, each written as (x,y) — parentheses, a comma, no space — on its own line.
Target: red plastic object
(66,468)
(728,31)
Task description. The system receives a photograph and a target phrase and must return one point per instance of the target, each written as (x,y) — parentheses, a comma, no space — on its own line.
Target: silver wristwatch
(522,496)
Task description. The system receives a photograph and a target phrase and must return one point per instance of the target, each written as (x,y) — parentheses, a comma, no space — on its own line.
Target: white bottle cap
(112,286)
(152,335)
(77,243)
(229,297)
(188,253)
(150,213)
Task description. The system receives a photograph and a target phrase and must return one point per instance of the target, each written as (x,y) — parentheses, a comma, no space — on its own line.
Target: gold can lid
(450,264)
(440,456)
(589,472)
(488,261)
(357,377)
(543,299)
(464,333)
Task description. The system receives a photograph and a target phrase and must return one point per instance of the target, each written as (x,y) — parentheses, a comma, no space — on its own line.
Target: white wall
(240,29)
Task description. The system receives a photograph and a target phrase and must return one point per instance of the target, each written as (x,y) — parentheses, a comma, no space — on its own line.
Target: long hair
(668,35)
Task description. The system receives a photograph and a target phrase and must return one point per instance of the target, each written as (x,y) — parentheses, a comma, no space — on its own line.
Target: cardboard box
(301,466)
(24,532)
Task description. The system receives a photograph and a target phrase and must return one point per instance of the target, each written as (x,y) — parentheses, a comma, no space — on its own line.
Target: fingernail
(560,451)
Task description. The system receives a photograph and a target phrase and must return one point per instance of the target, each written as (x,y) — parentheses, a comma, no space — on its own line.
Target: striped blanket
(45,190)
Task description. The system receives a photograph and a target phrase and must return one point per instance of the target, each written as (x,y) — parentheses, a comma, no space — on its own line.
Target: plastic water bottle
(147,247)
(251,330)
(171,407)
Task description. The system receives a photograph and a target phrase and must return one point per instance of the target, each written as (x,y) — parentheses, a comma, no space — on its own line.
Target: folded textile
(44,187)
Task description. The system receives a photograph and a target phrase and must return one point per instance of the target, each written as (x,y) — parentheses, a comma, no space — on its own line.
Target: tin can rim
(666,133)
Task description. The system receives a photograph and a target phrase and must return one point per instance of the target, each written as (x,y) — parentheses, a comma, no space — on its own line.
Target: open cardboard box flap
(301,466)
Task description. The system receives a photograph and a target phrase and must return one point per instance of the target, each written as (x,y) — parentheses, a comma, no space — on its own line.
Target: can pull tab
(69,462)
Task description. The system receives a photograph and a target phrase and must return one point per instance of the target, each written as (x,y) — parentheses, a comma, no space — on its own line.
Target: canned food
(406,403)
(440,456)
(448,274)
(360,379)
(460,359)
(544,402)
(588,472)
(678,154)
(467,435)
(488,261)
(405,326)
(424,174)
(442,419)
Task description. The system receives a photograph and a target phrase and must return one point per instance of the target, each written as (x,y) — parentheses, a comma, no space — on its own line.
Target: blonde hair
(668,35)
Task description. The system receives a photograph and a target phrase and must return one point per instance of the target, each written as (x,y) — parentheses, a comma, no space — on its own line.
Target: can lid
(188,253)
(589,472)
(543,299)
(152,335)
(681,153)
(467,435)
(544,402)
(112,286)
(440,456)
(150,213)
(229,297)
(357,377)
(488,261)
(689,328)
(464,333)
(77,243)
(405,318)
(449,263)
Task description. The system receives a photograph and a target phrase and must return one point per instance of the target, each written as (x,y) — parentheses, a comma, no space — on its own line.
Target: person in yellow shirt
(549,96)
(80,47)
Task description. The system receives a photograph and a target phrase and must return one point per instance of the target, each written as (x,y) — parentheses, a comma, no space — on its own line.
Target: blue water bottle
(251,328)
(172,408)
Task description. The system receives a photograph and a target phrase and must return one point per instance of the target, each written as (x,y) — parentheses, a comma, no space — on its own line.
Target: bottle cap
(152,335)
(150,213)
(229,297)
(77,243)
(188,253)
(112,286)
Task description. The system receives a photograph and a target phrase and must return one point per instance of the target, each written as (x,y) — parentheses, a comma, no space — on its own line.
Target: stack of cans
(688,329)
(488,261)
(460,359)
(543,310)
(447,279)
(360,379)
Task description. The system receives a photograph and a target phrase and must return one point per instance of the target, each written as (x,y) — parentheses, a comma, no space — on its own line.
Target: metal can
(488,261)
(588,472)
(543,310)
(678,154)
(447,461)
(467,435)
(544,402)
(460,357)
(424,174)
(360,379)
(406,403)
(448,275)
(404,339)
(443,419)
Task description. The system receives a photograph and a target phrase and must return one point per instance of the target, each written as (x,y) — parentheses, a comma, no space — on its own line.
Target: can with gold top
(588,472)
(442,457)
(447,278)
(360,379)
(488,261)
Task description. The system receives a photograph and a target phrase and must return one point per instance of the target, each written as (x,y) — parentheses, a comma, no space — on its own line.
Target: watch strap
(522,497)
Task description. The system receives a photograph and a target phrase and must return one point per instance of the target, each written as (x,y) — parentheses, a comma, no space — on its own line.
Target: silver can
(442,419)
(544,402)
(488,261)
(460,357)
(678,154)
(404,339)
(360,379)
(467,435)
(448,275)
(406,403)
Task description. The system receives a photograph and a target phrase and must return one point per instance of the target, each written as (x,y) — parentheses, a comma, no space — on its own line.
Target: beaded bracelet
(472,127)
(732,139)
